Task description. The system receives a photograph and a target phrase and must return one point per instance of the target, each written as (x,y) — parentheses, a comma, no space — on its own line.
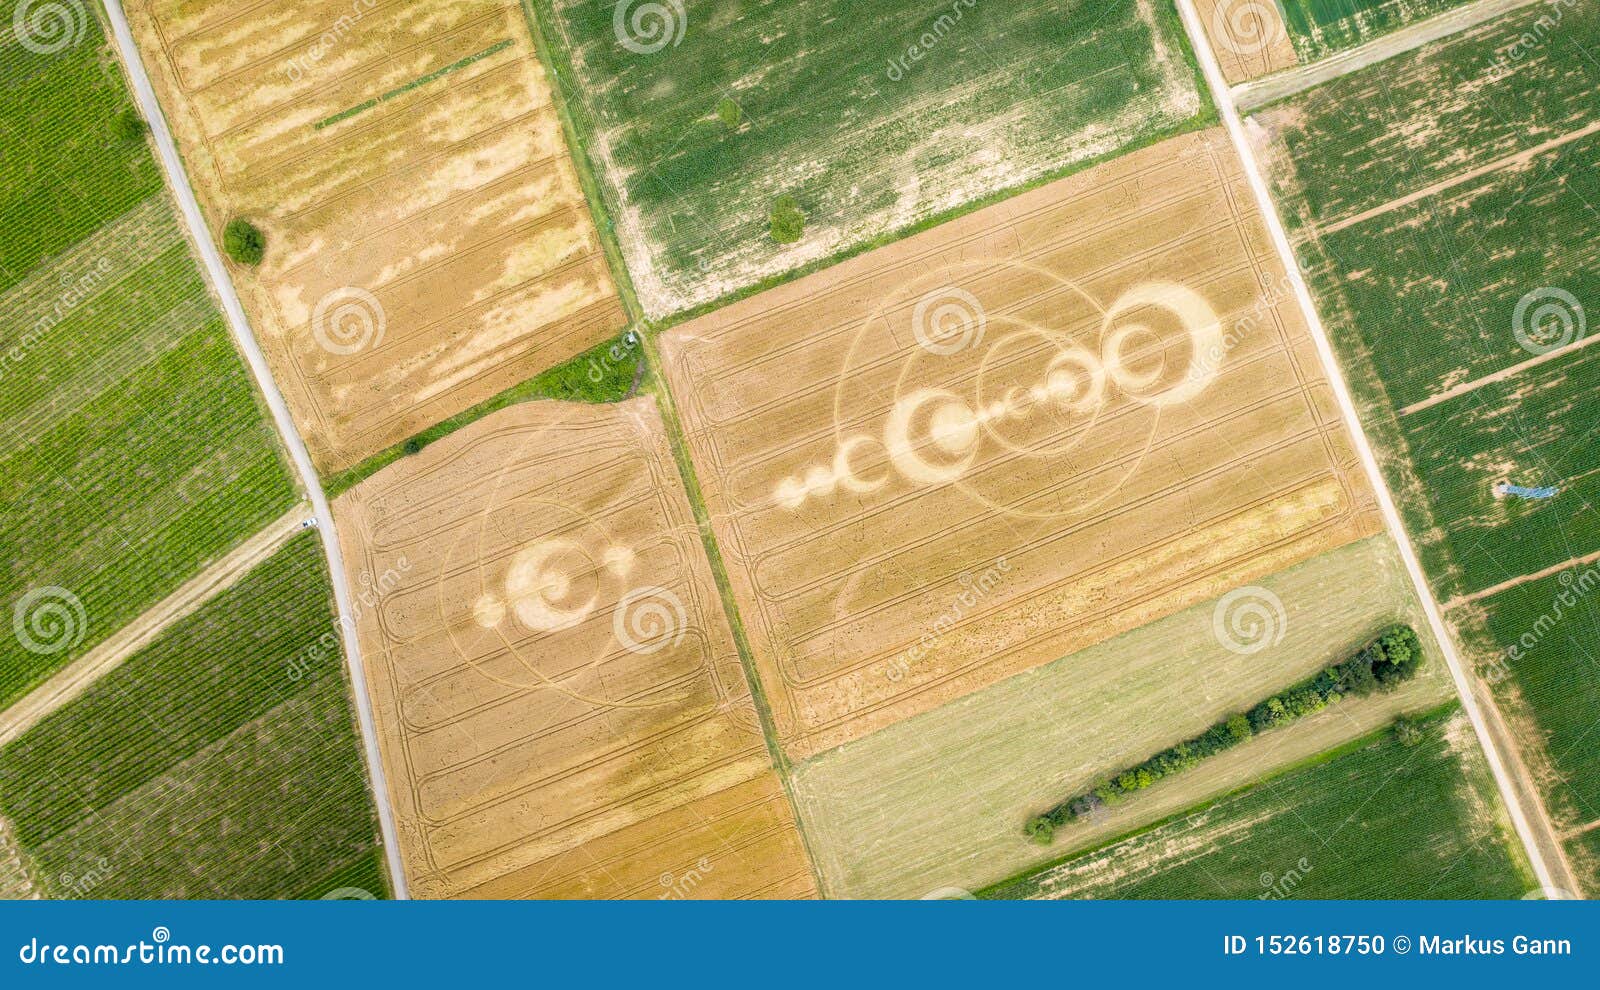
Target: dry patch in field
(560,705)
(1010,437)
(428,243)
(1249,37)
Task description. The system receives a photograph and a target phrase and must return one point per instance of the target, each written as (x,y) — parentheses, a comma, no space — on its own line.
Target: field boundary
(1257,93)
(216,275)
(1533,824)
(71,681)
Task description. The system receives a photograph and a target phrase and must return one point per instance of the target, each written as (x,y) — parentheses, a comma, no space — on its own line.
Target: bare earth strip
(940,799)
(424,253)
(15,884)
(1566,565)
(1251,96)
(73,680)
(1249,36)
(561,707)
(1008,438)
(1499,376)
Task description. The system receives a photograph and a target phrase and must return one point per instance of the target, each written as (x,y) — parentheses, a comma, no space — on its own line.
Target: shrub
(729,113)
(413,446)
(1407,732)
(788,222)
(243,242)
(1385,663)
(130,127)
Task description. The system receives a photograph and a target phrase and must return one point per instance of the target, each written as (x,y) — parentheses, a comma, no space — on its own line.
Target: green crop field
(222,761)
(1375,820)
(1437,224)
(1545,637)
(874,118)
(133,449)
(1320,28)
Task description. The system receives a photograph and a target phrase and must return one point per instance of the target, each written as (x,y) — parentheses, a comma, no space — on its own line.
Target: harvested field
(220,761)
(875,117)
(1248,36)
(1006,439)
(113,359)
(1383,820)
(940,799)
(428,243)
(561,708)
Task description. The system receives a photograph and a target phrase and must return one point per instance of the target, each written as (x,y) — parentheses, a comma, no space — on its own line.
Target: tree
(130,127)
(1407,731)
(1239,728)
(244,243)
(413,446)
(788,222)
(729,113)
(1040,830)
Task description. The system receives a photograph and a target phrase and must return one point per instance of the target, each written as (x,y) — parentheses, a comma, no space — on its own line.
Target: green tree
(1239,728)
(1040,830)
(243,242)
(788,221)
(729,113)
(129,126)
(1407,732)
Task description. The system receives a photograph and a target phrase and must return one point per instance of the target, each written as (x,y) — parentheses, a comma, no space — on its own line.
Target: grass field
(221,761)
(113,361)
(1319,28)
(1374,820)
(875,117)
(1436,223)
(1545,638)
(940,799)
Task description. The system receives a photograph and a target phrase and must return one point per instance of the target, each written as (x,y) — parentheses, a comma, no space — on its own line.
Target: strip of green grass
(436,74)
(1375,819)
(220,761)
(604,373)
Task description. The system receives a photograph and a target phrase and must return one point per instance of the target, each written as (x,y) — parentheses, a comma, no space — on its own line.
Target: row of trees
(1383,664)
